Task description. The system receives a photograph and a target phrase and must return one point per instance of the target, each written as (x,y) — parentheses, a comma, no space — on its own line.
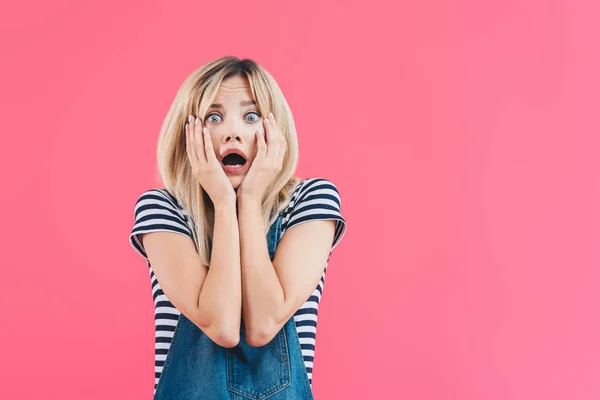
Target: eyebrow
(243,104)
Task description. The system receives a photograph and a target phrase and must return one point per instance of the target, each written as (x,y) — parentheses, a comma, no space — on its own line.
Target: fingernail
(266,120)
(186,125)
(197,120)
(204,130)
(271,115)
(190,118)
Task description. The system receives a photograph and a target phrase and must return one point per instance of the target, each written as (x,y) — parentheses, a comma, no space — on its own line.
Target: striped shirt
(158,210)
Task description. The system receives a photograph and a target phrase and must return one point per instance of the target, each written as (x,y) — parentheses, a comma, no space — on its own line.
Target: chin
(236,181)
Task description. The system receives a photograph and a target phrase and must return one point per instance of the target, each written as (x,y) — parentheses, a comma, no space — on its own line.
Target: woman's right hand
(206,169)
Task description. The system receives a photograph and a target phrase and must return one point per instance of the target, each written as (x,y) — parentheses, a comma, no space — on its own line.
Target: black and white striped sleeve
(155,211)
(316,199)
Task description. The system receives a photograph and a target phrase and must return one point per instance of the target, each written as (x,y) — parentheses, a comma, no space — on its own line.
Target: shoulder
(320,190)
(159,203)
(157,198)
(314,185)
(158,194)
(157,210)
(314,199)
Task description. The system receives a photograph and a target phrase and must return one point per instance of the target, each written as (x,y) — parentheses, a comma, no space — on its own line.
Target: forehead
(235,87)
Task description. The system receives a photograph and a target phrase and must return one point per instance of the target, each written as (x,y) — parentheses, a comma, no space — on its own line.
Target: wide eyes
(255,116)
(214,118)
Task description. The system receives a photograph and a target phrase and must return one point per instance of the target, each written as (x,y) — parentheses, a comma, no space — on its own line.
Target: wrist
(225,204)
(248,200)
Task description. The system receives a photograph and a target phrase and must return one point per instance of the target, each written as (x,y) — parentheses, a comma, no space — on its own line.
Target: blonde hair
(194,97)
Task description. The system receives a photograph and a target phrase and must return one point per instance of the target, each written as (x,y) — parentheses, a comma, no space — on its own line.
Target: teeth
(235,166)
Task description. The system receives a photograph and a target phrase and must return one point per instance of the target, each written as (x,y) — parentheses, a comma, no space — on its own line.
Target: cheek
(251,135)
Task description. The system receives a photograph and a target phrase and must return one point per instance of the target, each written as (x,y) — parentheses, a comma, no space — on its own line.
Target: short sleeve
(156,211)
(316,199)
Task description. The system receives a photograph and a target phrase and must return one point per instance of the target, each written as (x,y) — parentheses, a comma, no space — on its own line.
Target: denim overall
(198,368)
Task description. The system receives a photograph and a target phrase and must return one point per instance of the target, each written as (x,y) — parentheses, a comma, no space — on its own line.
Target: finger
(261,150)
(194,140)
(268,135)
(190,147)
(198,138)
(278,143)
(208,146)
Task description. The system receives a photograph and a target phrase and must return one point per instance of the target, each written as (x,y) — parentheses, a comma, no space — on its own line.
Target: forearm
(263,295)
(221,293)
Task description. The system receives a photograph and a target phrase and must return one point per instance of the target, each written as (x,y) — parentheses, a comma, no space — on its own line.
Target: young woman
(237,247)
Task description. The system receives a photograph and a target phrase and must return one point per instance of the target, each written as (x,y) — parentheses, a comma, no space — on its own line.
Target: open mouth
(234,164)
(233,160)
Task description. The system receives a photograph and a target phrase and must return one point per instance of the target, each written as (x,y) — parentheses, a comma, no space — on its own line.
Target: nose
(232,136)
(231,130)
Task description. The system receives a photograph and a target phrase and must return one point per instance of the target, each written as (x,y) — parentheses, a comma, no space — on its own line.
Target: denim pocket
(257,373)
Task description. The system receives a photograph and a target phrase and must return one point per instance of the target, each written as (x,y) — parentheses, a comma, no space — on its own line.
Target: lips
(233,150)
(236,171)
(230,170)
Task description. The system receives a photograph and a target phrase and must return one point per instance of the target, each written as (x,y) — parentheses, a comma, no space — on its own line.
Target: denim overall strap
(198,368)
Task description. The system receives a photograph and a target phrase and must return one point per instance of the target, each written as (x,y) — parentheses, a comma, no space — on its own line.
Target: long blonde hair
(194,97)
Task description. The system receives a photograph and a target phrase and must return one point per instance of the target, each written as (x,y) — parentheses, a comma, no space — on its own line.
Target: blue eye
(255,114)
(212,115)
(252,117)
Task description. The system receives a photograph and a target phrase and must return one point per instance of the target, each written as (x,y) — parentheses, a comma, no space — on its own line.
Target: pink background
(462,135)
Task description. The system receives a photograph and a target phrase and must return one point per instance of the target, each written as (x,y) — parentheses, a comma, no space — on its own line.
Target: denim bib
(198,368)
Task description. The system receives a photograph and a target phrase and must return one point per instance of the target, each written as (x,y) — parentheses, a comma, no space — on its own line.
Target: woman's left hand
(267,163)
